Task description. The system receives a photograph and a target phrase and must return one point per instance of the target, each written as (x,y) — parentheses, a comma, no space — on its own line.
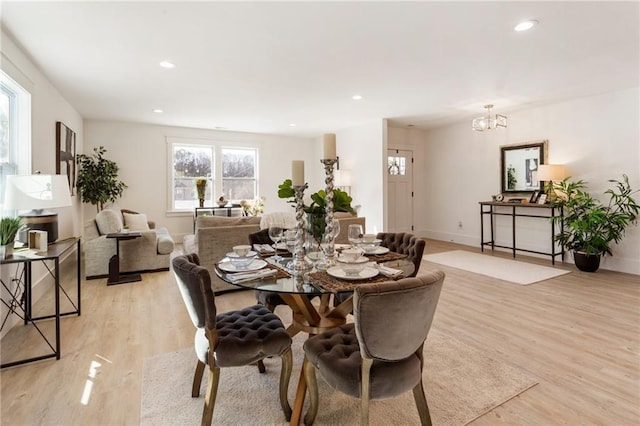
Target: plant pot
(586,262)
(6,250)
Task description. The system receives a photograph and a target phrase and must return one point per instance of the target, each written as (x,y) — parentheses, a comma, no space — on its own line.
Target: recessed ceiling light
(356,97)
(158,111)
(292,124)
(525,25)
(167,64)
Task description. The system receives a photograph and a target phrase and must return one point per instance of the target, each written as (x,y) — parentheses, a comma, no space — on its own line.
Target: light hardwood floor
(579,334)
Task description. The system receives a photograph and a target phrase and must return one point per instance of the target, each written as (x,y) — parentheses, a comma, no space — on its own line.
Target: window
(396,165)
(230,171)
(15,130)
(239,173)
(189,163)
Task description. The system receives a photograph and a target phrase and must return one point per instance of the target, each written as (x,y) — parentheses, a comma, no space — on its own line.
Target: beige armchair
(150,252)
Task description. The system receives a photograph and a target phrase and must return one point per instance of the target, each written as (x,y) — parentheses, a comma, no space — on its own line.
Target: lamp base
(33,221)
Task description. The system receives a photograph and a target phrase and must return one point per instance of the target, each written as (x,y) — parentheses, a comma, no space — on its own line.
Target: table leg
(301,392)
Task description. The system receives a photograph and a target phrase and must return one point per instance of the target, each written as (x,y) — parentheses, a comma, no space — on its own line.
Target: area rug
(461,384)
(509,270)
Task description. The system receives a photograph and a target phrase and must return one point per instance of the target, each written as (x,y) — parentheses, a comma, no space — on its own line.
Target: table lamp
(551,173)
(37,193)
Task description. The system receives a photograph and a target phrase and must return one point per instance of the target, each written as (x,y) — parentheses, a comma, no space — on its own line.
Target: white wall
(48,106)
(362,150)
(597,138)
(140,150)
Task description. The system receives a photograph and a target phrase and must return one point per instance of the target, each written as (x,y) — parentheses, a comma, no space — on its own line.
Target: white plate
(253,266)
(378,250)
(366,273)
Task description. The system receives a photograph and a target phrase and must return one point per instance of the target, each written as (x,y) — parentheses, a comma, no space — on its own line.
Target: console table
(21,304)
(514,210)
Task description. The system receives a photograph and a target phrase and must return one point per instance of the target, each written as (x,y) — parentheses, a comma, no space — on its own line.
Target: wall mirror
(519,166)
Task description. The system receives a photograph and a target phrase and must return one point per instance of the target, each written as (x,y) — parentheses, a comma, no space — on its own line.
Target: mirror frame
(543,153)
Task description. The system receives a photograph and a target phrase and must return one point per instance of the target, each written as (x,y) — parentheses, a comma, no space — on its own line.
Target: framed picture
(534,196)
(66,154)
(542,199)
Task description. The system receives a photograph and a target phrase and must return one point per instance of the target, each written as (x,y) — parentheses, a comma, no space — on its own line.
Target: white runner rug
(496,267)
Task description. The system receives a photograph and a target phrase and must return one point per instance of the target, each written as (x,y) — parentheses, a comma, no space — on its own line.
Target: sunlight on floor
(88,386)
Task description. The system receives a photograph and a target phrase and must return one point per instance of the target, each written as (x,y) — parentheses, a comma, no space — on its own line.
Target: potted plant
(98,179)
(201,188)
(590,227)
(317,209)
(9,227)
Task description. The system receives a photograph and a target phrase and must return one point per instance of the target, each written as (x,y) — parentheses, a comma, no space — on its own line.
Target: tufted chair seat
(380,354)
(229,339)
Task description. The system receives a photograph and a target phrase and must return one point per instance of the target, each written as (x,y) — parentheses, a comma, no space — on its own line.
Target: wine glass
(355,234)
(275,233)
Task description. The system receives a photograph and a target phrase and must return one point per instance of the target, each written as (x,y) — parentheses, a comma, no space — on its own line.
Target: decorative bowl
(352,267)
(370,246)
(222,203)
(241,262)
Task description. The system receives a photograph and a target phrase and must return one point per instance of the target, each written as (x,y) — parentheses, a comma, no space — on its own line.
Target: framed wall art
(66,154)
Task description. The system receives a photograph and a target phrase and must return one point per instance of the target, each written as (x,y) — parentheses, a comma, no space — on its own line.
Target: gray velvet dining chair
(230,339)
(379,355)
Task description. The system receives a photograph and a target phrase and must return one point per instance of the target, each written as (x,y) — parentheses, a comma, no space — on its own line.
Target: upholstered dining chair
(380,354)
(400,242)
(229,339)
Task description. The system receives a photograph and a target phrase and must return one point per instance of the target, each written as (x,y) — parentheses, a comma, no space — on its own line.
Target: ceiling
(259,67)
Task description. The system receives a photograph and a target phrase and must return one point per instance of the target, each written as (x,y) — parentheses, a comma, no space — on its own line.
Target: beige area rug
(496,267)
(461,384)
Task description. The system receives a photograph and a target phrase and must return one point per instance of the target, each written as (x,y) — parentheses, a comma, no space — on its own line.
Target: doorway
(400,190)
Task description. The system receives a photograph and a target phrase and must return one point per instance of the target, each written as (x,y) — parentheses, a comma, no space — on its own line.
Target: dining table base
(313,320)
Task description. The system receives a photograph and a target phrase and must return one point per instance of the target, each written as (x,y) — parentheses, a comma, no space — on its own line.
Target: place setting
(242,264)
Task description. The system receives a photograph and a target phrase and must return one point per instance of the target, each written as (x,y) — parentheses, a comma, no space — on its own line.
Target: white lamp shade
(36,192)
(551,172)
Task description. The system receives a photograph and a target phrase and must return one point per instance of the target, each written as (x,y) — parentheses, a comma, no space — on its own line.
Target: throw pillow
(136,222)
(109,221)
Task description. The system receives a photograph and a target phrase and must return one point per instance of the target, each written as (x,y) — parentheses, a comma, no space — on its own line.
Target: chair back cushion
(136,222)
(194,283)
(404,243)
(260,237)
(393,318)
(109,221)
(286,220)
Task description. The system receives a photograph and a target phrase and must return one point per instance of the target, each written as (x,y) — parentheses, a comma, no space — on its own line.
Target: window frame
(216,182)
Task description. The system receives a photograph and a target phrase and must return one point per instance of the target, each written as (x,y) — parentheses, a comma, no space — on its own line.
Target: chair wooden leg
(364,391)
(261,367)
(210,398)
(421,404)
(312,387)
(197,379)
(285,375)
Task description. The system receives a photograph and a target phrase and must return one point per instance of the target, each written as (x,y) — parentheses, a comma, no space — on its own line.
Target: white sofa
(150,252)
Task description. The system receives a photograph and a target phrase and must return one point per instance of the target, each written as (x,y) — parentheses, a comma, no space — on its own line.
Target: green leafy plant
(9,227)
(98,181)
(591,227)
(316,210)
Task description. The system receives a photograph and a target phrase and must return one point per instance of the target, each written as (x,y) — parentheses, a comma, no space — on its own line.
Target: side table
(114,262)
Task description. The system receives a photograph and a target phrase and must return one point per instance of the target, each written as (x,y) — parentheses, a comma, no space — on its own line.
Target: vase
(6,250)
(586,262)
(201,200)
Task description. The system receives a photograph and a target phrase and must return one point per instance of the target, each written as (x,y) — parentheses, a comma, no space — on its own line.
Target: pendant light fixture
(486,122)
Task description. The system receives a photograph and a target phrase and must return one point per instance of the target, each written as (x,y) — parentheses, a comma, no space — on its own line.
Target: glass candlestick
(328,231)
(299,265)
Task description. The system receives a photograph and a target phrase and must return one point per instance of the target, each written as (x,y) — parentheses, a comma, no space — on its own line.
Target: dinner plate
(366,273)
(253,266)
(378,250)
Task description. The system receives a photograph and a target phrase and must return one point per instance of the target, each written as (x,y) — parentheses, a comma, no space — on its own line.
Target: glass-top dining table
(298,291)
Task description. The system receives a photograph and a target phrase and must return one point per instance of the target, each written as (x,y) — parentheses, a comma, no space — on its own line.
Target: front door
(400,190)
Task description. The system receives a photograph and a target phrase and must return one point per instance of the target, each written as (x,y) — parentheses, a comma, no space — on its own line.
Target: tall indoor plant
(590,227)
(98,181)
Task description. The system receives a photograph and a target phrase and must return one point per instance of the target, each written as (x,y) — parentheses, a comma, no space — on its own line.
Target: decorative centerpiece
(9,227)
(222,201)
(201,188)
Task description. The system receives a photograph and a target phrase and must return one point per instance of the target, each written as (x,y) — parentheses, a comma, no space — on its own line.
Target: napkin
(389,272)
(248,276)
(263,248)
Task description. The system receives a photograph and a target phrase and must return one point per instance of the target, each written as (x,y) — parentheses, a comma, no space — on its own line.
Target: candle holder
(299,265)
(328,218)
